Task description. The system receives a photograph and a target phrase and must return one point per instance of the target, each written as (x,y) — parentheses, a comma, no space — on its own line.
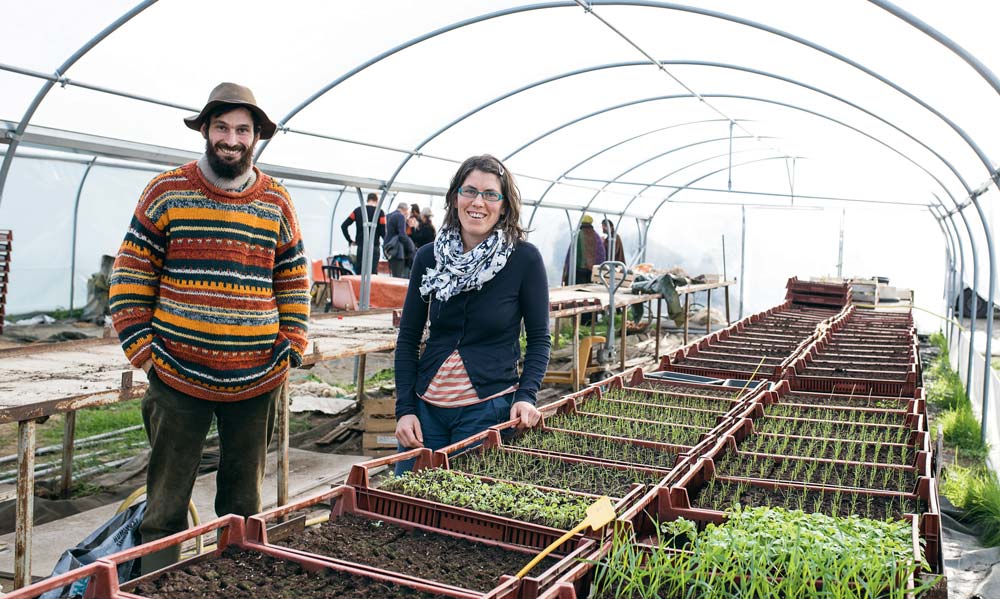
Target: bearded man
(210,297)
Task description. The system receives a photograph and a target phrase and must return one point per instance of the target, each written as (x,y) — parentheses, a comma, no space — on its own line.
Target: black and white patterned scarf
(459,271)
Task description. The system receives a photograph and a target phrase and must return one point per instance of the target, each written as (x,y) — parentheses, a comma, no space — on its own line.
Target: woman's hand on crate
(528,414)
(408,431)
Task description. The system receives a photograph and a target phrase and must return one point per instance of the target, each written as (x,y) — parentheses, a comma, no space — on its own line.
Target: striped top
(212,285)
(452,388)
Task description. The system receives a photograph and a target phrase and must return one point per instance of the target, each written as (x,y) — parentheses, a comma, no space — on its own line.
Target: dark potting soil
(754,349)
(727,393)
(865,359)
(901,368)
(437,557)
(239,574)
(840,413)
(712,353)
(848,401)
(582,477)
(702,402)
(839,430)
(628,429)
(604,448)
(724,494)
(845,373)
(653,413)
(865,476)
(830,449)
(717,365)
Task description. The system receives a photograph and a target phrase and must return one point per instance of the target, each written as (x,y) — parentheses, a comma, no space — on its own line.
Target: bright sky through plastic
(178,50)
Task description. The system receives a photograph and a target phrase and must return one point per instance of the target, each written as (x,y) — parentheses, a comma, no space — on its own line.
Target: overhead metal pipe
(76,221)
(59,73)
(974,303)
(605,150)
(333,224)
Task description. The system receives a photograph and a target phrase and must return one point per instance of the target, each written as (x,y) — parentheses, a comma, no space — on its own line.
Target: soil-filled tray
(821,361)
(838,413)
(734,356)
(629,429)
(703,495)
(914,451)
(727,389)
(754,349)
(724,364)
(733,461)
(238,568)
(558,472)
(850,373)
(913,404)
(850,386)
(445,559)
(73,583)
(600,448)
(716,403)
(455,557)
(240,573)
(861,358)
(715,369)
(829,429)
(653,462)
(647,410)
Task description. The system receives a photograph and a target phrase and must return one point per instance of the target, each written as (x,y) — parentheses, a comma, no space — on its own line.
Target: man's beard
(222,167)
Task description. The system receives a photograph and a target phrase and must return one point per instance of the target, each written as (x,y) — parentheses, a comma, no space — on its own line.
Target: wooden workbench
(572,301)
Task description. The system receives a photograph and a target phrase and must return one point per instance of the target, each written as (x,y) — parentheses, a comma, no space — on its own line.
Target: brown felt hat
(237,95)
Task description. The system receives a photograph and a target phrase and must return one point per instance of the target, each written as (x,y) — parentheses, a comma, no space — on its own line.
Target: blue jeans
(443,426)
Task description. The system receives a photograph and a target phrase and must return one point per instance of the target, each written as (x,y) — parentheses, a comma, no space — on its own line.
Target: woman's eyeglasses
(472,192)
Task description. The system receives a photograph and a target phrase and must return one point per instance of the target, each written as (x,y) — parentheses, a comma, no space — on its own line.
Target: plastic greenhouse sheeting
(769,100)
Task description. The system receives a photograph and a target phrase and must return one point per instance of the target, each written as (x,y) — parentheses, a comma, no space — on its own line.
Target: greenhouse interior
(707,308)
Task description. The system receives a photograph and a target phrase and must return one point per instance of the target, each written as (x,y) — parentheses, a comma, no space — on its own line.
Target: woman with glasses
(474,287)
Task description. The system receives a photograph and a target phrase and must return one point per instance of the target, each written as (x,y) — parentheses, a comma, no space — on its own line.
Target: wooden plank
(378,441)
(379,425)
(379,406)
(25,508)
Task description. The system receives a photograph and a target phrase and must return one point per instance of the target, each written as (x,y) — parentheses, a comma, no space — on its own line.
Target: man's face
(604,228)
(229,142)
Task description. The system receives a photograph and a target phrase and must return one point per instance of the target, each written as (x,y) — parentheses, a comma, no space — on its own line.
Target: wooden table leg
(555,338)
(69,432)
(576,353)
(728,321)
(283,410)
(624,334)
(687,316)
(25,508)
(708,313)
(656,352)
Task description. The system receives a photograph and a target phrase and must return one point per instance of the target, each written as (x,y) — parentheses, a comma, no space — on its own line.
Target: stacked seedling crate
(759,346)
(818,293)
(6,238)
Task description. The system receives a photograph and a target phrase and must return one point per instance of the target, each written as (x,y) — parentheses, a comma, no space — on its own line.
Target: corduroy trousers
(177,424)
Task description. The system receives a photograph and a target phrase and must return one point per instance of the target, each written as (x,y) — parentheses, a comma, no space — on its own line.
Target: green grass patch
(96,421)
(386,375)
(976,491)
(961,430)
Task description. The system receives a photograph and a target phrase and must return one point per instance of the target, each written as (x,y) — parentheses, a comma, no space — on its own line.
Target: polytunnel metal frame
(955,259)
(588,7)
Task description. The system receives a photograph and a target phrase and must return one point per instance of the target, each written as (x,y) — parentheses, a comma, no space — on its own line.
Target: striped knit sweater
(212,286)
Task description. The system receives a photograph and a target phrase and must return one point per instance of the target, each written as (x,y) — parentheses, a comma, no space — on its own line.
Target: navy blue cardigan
(484,326)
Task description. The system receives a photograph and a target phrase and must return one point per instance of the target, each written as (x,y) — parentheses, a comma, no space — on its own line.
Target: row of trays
(660,449)
(760,346)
